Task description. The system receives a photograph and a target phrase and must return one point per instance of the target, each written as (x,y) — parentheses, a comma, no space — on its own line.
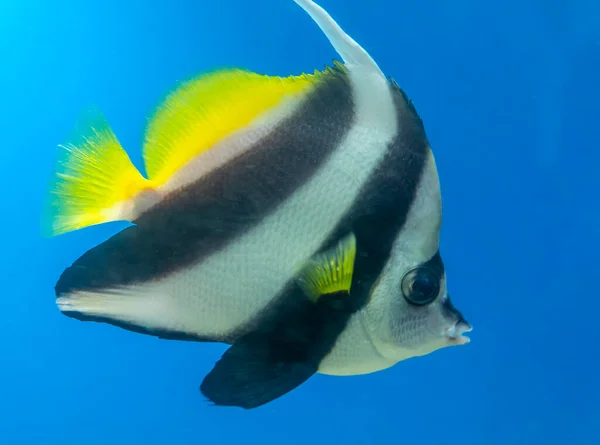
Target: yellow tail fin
(94,181)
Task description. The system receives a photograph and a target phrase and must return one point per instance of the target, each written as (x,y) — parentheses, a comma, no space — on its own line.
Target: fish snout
(455,332)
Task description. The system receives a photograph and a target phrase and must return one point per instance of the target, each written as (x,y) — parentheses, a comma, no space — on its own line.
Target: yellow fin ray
(330,271)
(204,110)
(94,179)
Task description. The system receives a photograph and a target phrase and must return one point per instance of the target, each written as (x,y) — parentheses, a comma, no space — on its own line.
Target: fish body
(250,180)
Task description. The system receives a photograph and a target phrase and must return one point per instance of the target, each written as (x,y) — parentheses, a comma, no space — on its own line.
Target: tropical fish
(295,219)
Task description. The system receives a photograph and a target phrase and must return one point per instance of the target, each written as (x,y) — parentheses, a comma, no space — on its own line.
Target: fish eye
(421,286)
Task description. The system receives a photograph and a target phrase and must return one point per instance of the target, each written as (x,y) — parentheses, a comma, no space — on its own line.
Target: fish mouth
(456,331)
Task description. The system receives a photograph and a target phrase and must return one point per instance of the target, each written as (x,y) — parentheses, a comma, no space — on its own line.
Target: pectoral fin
(285,352)
(329,272)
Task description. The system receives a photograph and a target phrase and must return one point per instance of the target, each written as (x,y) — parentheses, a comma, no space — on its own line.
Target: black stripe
(376,217)
(205,216)
(380,211)
(435,264)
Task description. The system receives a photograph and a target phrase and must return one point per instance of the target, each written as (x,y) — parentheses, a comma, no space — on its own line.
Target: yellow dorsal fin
(204,110)
(330,271)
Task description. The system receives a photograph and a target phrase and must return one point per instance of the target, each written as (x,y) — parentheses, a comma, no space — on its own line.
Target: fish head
(423,317)
(411,313)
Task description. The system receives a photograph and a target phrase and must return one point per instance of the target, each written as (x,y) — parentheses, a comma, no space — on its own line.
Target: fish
(296,220)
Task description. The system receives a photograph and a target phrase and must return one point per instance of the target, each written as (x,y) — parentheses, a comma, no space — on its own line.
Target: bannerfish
(295,219)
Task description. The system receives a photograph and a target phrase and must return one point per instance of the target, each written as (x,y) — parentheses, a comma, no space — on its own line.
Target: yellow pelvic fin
(94,179)
(330,271)
(204,110)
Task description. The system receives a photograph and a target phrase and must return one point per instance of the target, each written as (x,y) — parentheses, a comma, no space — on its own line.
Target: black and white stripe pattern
(377,218)
(205,216)
(220,255)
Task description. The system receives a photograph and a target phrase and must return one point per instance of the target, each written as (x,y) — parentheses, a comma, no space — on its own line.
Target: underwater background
(509,95)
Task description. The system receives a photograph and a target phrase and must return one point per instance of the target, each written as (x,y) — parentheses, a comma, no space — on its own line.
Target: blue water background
(510,98)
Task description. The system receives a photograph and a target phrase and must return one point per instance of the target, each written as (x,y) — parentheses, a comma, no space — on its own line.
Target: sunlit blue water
(510,98)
